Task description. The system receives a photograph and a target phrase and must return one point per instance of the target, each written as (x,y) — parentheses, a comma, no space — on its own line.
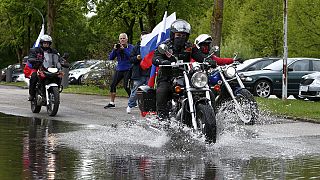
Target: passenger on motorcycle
(180,48)
(34,62)
(204,43)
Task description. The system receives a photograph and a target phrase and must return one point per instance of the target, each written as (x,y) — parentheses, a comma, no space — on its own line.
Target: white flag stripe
(36,44)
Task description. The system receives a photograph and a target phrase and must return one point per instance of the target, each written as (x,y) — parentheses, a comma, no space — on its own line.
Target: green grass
(18,84)
(93,90)
(293,108)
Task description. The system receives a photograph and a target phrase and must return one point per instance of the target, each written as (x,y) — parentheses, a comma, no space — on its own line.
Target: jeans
(132,102)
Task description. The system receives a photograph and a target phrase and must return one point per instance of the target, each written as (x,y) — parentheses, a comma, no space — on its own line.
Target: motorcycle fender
(48,86)
(235,92)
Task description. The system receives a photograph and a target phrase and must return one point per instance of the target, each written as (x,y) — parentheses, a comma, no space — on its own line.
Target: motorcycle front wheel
(206,121)
(54,101)
(249,105)
(35,108)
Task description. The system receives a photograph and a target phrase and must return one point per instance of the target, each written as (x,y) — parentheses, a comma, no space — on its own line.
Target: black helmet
(180,25)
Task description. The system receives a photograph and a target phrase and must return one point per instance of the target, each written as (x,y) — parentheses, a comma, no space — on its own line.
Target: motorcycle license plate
(304,88)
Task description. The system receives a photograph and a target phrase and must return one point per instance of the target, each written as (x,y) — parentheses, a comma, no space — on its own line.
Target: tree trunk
(151,16)
(216,22)
(51,16)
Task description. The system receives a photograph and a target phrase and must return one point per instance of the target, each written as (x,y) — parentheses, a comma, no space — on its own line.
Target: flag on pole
(37,43)
(151,41)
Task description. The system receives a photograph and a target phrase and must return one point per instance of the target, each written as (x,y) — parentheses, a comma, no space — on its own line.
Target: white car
(310,87)
(75,75)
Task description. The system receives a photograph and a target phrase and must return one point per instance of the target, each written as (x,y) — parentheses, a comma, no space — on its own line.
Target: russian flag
(151,41)
(37,43)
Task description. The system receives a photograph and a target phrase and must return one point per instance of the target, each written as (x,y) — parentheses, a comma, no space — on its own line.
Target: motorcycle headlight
(53,70)
(199,79)
(230,72)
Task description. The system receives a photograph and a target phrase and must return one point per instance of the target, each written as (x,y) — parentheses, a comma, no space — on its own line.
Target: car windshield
(85,64)
(277,66)
(247,63)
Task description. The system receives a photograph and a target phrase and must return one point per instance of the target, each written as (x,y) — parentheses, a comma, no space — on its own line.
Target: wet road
(84,109)
(134,149)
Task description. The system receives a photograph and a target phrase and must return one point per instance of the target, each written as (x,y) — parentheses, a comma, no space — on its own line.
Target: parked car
(310,87)
(75,75)
(76,65)
(100,74)
(16,69)
(256,63)
(268,81)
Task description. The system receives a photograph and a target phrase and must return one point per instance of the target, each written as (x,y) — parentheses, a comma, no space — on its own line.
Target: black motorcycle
(49,87)
(191,99)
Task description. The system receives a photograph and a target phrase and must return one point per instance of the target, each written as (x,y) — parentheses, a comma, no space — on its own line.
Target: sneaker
(128,110)
(110,106)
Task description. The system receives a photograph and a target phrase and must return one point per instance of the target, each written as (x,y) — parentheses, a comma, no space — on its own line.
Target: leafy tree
(303,28)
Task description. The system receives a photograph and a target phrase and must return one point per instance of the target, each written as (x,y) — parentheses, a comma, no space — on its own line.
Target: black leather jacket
(186,54)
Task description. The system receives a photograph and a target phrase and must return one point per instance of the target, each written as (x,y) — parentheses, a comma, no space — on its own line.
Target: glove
(212,63)
(240,60)
(166,62)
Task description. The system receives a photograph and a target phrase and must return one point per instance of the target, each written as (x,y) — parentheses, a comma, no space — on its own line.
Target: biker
(182,49)
(204,43)
(34,62)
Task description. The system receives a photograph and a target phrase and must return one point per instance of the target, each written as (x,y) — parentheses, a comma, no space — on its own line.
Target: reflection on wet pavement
(48,149)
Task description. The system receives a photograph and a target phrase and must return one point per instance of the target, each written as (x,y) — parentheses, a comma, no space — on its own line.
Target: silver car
(310,87)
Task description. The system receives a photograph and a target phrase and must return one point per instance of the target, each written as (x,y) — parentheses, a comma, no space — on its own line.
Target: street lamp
(40,14)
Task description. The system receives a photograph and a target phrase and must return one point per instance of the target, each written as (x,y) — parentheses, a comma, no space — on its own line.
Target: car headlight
(199,79)
(247,79)
(230,72)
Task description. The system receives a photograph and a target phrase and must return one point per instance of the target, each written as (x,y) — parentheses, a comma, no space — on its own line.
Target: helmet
(180,25)
(202,38)
(45,38)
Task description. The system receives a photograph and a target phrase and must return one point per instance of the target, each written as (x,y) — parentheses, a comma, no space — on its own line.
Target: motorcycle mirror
(163,48)
(65,55)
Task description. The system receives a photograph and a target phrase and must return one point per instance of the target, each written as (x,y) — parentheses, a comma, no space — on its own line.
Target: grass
(296,109)
(18,84)
(93,90)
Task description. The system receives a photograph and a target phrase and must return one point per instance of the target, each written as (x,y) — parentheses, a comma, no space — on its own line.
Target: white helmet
(201,39)
(46,38)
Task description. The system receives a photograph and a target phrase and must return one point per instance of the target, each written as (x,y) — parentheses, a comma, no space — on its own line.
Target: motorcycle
(191,99)
(227,86)
(49,87)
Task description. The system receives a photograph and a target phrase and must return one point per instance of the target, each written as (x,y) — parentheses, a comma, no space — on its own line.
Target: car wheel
(263,88)
(80,80)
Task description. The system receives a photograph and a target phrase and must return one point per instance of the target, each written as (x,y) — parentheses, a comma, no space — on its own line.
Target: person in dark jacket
(139,76)
(121,51)
(180,47)
(35,61)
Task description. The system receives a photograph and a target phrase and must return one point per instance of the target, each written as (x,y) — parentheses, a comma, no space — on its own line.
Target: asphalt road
(84,109)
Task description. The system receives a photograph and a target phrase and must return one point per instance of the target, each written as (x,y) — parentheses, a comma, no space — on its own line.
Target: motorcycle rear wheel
(54,101)
(206,122)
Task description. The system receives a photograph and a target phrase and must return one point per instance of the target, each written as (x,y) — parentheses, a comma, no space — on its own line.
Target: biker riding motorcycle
(35,60)
(204,43)
(178,48)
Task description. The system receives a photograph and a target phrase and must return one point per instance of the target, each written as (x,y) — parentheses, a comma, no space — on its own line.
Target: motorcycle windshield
(51,61)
